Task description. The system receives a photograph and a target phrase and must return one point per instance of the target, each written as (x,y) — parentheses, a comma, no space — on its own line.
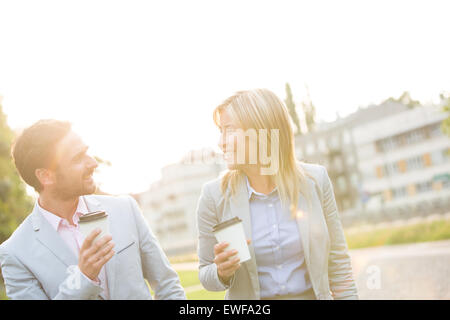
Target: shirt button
(274,226)
(283,287)
(270,205)
(277,248)
(279,266)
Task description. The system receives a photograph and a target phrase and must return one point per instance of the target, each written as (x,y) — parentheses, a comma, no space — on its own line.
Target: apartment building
(333,146)
(404,161)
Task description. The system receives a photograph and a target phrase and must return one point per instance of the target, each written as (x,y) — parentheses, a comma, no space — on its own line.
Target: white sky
(139,79)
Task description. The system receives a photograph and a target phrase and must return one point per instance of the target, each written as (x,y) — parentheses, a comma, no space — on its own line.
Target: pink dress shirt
(73,237)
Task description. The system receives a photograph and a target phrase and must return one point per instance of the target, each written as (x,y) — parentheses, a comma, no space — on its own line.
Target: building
(333,145)
(170,203)
(404,160)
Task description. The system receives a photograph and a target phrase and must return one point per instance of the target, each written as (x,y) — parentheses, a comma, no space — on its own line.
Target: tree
(445,126)
(291,108)
(405,99)
(15,204)
(310,111)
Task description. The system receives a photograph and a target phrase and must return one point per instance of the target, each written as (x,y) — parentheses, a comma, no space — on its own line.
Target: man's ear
(45,176)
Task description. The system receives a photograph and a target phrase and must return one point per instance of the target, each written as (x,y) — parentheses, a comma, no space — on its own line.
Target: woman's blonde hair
(262,109)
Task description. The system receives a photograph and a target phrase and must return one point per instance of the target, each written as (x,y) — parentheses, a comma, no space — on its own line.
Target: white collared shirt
(72,236)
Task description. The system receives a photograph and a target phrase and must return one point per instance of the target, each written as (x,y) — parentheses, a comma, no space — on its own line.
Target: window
(337,164)
(415,163)
(438,157)
(399,192)
(354,179)
(415,136)
(391,168)
(350,160)
(424,186)
(322,145)
(347,138)
(334,142)
(435,131)
(342,184)
(310,148)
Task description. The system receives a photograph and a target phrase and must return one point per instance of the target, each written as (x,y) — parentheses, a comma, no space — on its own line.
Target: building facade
(170,203)
(333,146)
(404,161)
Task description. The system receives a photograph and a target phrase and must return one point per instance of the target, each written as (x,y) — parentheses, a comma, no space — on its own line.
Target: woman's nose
(222,144)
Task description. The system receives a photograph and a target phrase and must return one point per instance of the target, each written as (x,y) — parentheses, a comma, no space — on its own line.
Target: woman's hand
(226,264)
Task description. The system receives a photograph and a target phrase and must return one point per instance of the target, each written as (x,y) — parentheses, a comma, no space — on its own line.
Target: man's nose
(92,163)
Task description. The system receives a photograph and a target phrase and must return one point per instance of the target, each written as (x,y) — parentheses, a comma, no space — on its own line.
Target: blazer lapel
(94,205)
(48,237)
(239,205)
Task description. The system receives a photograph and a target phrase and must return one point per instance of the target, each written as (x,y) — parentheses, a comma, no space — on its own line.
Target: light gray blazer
(35,260)
(325,248)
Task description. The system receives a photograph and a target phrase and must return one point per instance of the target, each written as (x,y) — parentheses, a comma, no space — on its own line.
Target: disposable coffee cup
(232,231)
(90,221)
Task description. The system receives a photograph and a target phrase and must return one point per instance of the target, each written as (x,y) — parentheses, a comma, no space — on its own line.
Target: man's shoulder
(112,204)
(107,199)
(20,238)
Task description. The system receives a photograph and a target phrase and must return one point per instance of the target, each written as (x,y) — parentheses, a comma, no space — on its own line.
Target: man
(48,258)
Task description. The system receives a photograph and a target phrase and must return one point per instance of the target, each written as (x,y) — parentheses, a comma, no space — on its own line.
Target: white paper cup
(90,221)
(232,231)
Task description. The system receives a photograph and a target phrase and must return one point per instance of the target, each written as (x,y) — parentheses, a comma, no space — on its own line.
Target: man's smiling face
(73,168)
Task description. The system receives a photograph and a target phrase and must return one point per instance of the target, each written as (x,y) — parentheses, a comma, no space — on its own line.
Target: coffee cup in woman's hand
(226,260)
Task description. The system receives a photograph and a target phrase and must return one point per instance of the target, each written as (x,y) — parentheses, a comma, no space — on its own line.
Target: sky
(139,79)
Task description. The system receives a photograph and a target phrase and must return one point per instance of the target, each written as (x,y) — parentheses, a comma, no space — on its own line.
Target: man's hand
(93,255)
(226,265)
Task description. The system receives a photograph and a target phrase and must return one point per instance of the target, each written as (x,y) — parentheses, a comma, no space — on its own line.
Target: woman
(288,211)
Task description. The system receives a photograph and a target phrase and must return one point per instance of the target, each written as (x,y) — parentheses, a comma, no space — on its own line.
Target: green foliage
(291,108)
(14,202)
(446,122)
(405,99)
(310,112)
(421,232)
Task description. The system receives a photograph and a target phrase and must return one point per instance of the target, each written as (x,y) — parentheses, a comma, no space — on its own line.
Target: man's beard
(71,188)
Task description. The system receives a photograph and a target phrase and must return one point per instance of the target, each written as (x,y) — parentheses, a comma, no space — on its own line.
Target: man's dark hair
(35,148)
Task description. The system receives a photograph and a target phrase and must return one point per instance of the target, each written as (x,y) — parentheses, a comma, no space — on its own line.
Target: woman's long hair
(262,109)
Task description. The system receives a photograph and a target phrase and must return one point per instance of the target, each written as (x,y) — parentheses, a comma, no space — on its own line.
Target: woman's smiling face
(234,142)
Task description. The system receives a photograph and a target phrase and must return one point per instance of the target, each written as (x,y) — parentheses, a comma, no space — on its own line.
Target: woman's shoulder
(313,169)
(213,187)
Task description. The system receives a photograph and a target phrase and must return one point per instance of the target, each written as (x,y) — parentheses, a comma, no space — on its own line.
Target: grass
(189,257)
(421,232)
(3,293)
(188,278)
(206,295)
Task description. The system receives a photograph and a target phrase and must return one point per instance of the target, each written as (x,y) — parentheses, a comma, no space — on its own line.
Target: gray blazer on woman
(325,248)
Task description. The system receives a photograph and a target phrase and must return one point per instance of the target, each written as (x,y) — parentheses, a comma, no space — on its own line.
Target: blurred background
(367,86)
